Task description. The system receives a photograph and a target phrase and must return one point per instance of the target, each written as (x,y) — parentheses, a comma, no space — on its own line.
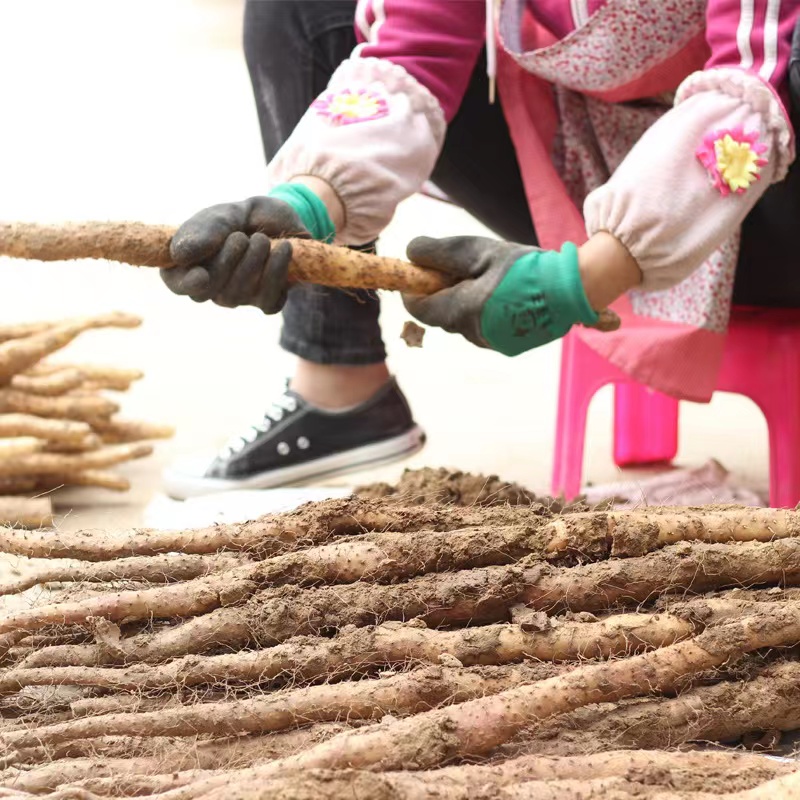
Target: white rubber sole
(180,485)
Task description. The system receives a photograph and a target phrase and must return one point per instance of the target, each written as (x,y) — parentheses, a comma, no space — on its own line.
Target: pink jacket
(376,133)
(438,41)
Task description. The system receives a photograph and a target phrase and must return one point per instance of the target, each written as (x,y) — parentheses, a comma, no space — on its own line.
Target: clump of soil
(430,486)
(412,334)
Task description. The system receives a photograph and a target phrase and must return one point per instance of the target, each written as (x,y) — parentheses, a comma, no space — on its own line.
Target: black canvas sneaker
(296,442)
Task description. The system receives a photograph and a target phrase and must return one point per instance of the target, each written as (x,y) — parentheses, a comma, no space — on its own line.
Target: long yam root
(90,442)
(407,693)
(68,407)
(698,567)
(577,778)
(475,728)
(17,355)
(682,668)
(361,650)
(49,385)
(19,446)
(35,512)
(657,768)
(626,575)
(722,712)
(118,431)
(390,557)
(381,556)
(116,703)
(59,709)
(17,484)
(487,594)
(21,329)
(148,246)
(787,786)
(132,783)
(478,595)
(52,430)
(89,546)
(150,569)
(267,536)
(591,539)
(278,614)
(8,641)
(89,773)
(175,754)
(87,477)
(95,375)
(611,764)
(653,784)
(162,603)
(65,464)
(635,533)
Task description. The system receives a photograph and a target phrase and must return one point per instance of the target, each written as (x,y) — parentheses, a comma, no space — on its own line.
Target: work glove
(509,297)
(224,254)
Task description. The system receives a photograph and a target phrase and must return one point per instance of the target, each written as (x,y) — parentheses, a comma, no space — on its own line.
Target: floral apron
(575,107)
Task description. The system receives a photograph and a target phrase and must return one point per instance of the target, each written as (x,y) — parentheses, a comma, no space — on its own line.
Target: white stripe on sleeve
(379,10)
(771,39)
(743,33)
(361,18)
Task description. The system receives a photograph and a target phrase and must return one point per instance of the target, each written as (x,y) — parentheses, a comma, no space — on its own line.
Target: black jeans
(292,48)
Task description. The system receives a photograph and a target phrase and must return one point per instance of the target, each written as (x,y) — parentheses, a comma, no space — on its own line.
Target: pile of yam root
(57,428)
(381,649)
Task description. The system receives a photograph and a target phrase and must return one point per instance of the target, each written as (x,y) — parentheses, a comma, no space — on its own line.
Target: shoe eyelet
(283,449)
(303,443)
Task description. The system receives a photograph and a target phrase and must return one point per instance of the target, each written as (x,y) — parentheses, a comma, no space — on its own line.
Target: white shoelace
(286,404)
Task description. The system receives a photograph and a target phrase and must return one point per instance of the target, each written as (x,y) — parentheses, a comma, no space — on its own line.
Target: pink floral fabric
(703,300)
(594,136)
(620,42)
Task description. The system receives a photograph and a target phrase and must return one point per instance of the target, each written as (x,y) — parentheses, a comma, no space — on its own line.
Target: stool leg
(784,457)
(570,436)
(577,387)
(645,425)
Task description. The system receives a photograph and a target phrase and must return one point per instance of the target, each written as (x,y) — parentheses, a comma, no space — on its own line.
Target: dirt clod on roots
(452,637)
(452,487)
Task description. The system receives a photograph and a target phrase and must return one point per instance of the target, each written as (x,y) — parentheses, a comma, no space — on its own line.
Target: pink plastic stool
(761,361)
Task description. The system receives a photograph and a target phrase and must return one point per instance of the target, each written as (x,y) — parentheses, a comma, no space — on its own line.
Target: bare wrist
(607,270)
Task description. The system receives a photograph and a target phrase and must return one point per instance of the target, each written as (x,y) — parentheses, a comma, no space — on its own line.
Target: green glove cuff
(309,208)
(539,299)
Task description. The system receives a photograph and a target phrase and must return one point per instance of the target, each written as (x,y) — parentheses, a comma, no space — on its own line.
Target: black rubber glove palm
(478,264)
(224,254)
(509,297)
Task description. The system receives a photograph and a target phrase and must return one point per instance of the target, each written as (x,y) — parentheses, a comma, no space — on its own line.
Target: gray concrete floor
(142,111)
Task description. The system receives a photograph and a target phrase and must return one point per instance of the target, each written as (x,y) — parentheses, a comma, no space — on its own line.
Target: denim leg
(478,168)
(292,48)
